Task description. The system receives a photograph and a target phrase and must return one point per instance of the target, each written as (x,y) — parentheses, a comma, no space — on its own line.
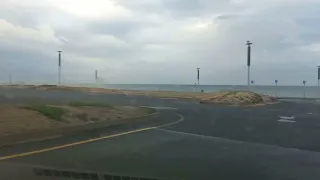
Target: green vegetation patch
(94,104)
(51,112)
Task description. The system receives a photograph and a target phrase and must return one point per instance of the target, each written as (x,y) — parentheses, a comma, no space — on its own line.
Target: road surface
(186,141)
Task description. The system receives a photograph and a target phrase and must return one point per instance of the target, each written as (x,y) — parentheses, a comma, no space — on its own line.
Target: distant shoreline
(228,97)
(290,92)
(204,85)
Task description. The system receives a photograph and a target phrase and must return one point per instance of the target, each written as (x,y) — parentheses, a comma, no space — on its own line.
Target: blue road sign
(276,81)
(252,82)
(304,81)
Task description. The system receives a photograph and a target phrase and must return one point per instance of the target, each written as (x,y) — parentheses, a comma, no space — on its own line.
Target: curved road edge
(56,133)
(36,147)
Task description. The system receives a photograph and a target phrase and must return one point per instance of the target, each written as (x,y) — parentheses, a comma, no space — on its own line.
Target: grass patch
(51,112)
(94,104)
(149,110)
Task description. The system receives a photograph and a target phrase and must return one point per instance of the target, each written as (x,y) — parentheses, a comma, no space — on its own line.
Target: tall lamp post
(276,82)
(59,68)
(304,89)
(248,60)
(318,75)
(198,75)
(96,76)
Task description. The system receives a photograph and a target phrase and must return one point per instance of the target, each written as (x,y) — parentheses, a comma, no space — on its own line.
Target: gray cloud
(118,27)
(156,41)
(178,8)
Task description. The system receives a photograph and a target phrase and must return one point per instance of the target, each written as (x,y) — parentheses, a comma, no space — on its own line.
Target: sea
(277,91)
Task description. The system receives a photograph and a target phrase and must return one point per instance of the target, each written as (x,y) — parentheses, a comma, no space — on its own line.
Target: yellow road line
(72,144)
(87,141)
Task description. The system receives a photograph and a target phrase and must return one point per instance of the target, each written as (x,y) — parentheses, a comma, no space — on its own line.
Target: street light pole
(248,60)
(318,75)
(276,81)
(96,76)
(304,89)
(198,75)
(59,68)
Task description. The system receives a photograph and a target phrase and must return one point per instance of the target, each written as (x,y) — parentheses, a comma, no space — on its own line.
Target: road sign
(276,81)
(304,81)
(252,82)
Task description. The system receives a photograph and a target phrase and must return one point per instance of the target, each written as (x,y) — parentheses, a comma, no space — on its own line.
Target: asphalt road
(204,141)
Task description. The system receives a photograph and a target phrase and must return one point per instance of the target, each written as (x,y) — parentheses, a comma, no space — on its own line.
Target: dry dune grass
(237,98)
(91,114)
(15,120)
(19,119)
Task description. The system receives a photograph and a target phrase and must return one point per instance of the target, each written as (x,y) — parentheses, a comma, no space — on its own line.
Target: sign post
(304,89)
(249,87)
(276,82)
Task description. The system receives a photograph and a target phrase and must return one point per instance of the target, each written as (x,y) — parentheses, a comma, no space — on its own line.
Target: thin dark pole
(59,68)
(304,89)
(276,81)
(318,75)
(248,60)
(198,75)
(96,75)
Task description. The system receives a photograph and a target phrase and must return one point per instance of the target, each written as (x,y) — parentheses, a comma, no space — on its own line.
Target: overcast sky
(160,41)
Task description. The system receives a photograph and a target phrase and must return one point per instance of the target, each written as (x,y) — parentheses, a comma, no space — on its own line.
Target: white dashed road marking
(287,117)
(287,121)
